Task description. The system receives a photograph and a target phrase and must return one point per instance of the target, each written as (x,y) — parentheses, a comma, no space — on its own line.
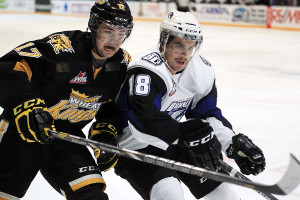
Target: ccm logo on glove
(28,104)
(106,133)
(203,140)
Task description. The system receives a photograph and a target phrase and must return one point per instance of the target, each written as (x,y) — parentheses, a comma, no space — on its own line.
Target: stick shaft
(282,187)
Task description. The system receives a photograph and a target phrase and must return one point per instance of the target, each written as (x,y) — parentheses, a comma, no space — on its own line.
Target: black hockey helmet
(115,13)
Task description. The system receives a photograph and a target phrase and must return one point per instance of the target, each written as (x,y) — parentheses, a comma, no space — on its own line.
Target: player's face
(178,53)
(109,39)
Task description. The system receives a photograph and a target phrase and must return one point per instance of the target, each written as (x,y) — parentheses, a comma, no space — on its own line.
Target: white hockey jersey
(157,101)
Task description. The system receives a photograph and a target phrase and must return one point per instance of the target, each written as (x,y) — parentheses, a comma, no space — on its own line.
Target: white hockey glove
(247,155)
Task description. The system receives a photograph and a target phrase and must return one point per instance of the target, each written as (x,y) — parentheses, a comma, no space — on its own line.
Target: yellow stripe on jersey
(87,180)
(96,71)
(3,128)
(23,66)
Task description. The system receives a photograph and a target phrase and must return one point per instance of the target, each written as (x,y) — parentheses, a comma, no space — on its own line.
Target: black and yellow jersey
(60,69)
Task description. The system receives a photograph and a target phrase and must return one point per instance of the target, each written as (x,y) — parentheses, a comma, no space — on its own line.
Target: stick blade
(291,178)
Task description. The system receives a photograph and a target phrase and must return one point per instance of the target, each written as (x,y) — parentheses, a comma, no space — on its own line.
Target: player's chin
(109,54)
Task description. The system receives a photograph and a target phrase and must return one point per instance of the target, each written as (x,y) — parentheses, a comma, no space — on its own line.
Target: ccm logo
(203,140)
(121,19)
(88,168)
(191,31)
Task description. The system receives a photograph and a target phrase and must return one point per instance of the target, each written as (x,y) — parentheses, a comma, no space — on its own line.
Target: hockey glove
(33,121)
(106,133)
(199,145)
(247,155)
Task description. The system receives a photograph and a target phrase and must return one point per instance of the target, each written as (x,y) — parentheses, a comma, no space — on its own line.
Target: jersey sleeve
(16,74)
(31,62)
(206,108)
(148,124)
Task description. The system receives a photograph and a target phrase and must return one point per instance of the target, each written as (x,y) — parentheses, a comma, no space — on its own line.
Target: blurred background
(279,14)
(254,46)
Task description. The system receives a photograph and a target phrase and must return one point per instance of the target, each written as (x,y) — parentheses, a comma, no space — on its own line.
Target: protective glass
(181,49)
(108,33)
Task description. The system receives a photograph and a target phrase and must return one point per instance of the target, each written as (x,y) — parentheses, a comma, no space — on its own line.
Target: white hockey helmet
(180,24)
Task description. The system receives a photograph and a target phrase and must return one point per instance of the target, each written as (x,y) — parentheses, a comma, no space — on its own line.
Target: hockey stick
(287,184)
(234,173)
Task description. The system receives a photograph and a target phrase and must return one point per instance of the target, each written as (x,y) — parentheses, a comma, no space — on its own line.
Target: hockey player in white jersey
(165,84)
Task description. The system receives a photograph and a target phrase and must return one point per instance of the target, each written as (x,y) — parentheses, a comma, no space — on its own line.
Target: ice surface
(258,80)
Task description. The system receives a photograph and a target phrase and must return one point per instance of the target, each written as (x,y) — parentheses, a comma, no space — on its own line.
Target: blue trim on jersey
(206,107)
(132,118)
(125,109)
(157,101)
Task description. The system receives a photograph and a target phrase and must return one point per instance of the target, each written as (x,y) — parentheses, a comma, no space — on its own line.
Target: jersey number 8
(140,84)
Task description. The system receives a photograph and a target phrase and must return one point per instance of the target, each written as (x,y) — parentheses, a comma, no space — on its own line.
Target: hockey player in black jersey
(165,84)
(62,82)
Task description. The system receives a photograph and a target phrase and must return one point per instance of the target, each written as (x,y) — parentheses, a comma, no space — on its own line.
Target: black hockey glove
(106,133)
(198,145)
(33,121)
(247,155)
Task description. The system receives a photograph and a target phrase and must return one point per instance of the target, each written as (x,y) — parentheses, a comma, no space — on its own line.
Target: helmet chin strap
(167,64)
(95,49)
(97,52)
(94,45)
(162,51)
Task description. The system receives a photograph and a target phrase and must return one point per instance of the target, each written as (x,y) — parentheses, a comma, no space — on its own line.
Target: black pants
(68,167)
(142,176)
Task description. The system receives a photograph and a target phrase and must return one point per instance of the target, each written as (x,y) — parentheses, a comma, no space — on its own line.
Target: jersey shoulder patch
(126,57)
(205,61)
(153,58)
(60,43)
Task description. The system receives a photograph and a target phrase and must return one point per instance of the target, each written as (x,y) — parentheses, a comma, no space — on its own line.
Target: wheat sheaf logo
(61,43)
